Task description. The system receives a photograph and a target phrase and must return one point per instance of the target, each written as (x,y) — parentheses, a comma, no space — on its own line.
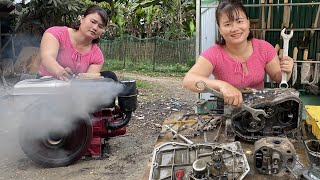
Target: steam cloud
(58,111)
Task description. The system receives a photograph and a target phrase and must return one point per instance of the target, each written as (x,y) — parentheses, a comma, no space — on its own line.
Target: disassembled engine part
(199,161)
(256,113)
(274,154)
(311,174)
(283,108)
(313,151)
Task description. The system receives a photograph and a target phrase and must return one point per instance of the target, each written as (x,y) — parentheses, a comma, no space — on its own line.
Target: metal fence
(151,54)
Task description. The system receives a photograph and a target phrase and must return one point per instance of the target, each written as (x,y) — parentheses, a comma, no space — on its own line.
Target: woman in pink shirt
(66,51)
(237,60)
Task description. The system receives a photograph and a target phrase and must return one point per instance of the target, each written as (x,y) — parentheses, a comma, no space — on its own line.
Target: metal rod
(295,29)
(280,4)
(301,61)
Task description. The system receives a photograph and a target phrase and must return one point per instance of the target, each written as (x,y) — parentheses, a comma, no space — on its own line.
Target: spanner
(254,112)
(286,38)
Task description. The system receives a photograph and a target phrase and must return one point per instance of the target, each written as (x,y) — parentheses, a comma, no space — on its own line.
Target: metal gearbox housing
(199,161)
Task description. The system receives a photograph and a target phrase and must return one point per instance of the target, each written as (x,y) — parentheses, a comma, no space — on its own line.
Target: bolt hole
(277,142)
(290,161)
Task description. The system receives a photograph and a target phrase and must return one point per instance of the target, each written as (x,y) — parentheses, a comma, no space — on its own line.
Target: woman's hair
(231,8)
(91,10)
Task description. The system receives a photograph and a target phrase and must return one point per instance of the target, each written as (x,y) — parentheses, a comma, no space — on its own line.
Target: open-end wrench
(286,38)
(202,86)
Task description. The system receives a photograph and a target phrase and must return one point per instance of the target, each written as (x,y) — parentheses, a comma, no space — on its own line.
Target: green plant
(41,14)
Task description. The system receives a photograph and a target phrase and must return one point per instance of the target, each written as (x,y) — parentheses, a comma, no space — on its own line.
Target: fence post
(155,53)
(123,44)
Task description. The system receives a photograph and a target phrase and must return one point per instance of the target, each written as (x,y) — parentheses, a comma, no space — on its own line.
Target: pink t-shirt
(228,69)
(68,56)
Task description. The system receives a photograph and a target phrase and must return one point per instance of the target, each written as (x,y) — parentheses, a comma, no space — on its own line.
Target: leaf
(192,26)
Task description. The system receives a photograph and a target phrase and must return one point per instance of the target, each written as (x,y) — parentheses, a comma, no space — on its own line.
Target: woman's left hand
(286,64)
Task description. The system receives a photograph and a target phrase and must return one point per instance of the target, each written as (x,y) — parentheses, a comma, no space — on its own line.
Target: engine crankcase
(283,108)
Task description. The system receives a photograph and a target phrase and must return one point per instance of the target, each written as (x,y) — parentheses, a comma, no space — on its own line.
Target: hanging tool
(254,112)
(263,22)
(305,69)
(269,23)
(295,66)
(286,39)
(286,15)
(316,22)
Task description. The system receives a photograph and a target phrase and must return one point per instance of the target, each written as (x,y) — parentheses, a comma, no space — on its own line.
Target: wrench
(286,38)
(254,112)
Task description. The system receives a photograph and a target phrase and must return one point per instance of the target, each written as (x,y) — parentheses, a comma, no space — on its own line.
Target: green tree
(41,14)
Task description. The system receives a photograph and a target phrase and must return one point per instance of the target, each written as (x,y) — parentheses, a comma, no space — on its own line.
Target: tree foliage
(169,19)
(38,15)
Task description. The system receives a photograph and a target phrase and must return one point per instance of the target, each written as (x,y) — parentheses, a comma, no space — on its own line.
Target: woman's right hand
(231,95)
(64,74)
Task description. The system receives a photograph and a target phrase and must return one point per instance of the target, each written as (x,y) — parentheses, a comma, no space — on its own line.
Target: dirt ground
(128,155)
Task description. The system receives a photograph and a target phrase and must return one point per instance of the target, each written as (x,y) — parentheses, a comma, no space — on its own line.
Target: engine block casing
(273,154)
(283,108)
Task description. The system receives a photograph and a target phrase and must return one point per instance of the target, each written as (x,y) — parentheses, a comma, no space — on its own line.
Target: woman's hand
(286,64)
(231,95)
(64,74)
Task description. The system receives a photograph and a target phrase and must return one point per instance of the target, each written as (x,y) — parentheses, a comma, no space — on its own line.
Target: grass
(141,84)
(146,68)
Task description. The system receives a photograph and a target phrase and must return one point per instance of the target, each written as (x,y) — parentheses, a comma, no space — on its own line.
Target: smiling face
(235,29)
(92,26)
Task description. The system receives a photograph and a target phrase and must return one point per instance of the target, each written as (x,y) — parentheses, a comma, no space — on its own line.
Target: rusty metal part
(255,112)
(284,109)
(273,155)
(313,150)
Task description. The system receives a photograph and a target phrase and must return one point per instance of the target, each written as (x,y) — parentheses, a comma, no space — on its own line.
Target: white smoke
(35,116)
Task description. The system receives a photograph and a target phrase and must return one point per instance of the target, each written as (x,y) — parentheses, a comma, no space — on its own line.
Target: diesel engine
(66,120)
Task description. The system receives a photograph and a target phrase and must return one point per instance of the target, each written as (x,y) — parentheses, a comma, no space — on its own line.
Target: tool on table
(286,39)
(181,124)
(254,112)
(179,135)
(295,66)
